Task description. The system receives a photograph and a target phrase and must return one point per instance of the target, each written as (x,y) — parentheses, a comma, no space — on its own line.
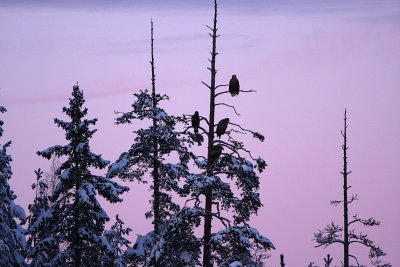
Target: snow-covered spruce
(176,245)
(115,252)
(148,155)
(235,243)
(75,218)
(12,238)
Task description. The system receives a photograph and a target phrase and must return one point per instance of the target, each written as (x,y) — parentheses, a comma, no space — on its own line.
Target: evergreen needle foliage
(75,218)
(12,239)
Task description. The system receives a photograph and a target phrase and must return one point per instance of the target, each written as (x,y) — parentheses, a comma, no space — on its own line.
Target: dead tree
(282,260)
(51,177)
(156,178)
(227,158)
(331,233)
(328,260)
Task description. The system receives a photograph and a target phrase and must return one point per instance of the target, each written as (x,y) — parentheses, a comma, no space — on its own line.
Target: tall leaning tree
(75,218)
(347,235)
(12,239)
(226,187)
(158,156)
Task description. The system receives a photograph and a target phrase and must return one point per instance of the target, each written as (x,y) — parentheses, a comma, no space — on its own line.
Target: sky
(308,60)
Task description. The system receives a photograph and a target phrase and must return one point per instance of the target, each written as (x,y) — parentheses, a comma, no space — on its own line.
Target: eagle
(234,86)
(196,122)
(216,152)
(222,126)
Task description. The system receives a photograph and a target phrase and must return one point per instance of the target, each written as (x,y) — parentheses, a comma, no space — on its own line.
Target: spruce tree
(12,239)
(76,219)
(153,154)
(227,164)
(331,234)
(115,254)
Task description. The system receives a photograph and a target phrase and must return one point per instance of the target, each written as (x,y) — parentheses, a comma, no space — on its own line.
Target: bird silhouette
(222,126)
(234,86)
(196,122)
(216,153)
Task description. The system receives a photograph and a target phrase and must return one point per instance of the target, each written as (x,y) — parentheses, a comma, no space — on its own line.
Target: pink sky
(308,61)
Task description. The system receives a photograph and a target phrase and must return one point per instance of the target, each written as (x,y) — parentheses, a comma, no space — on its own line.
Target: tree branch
(255,134)
(209,87)
(234,109)
(225,92)
(354,257)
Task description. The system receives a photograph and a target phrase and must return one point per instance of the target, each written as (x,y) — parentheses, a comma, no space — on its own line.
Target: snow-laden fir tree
(12,238)
(158,154)
(115,254)
(229,179)
(75,217)
(332,233)
(38,232)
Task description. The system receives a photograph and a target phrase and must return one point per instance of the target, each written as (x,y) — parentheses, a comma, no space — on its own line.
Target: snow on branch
(329,235)
(368,222)
(235,243)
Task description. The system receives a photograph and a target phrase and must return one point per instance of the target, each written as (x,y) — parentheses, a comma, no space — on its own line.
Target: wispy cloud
(388,10)
(298,5)
(62,97)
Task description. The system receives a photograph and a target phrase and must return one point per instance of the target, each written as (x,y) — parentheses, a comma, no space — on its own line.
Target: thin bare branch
(209,87)
(234,109)
(336,202)
(243,91)
(355,258)
(221,85)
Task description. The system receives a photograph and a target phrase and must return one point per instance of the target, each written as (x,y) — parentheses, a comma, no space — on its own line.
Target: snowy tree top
(2,110)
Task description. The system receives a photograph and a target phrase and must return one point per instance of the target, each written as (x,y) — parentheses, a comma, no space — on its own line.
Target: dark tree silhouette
(228,162)
(331,233)
(282,260)
(328,260)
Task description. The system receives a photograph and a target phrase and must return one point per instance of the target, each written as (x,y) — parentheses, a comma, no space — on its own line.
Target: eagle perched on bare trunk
(234,86)
(216,152)
(222,126)
(196,122)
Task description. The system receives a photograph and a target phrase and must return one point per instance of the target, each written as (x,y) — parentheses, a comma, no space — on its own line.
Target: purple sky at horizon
(308,61)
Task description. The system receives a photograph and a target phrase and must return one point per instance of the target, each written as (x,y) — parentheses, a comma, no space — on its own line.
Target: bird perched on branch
(234,86)
(196,122)
(222,126)
(216,152)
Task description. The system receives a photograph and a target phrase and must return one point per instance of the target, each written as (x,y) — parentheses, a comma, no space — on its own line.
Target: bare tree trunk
(156,178)
(345,198)
(208,196)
